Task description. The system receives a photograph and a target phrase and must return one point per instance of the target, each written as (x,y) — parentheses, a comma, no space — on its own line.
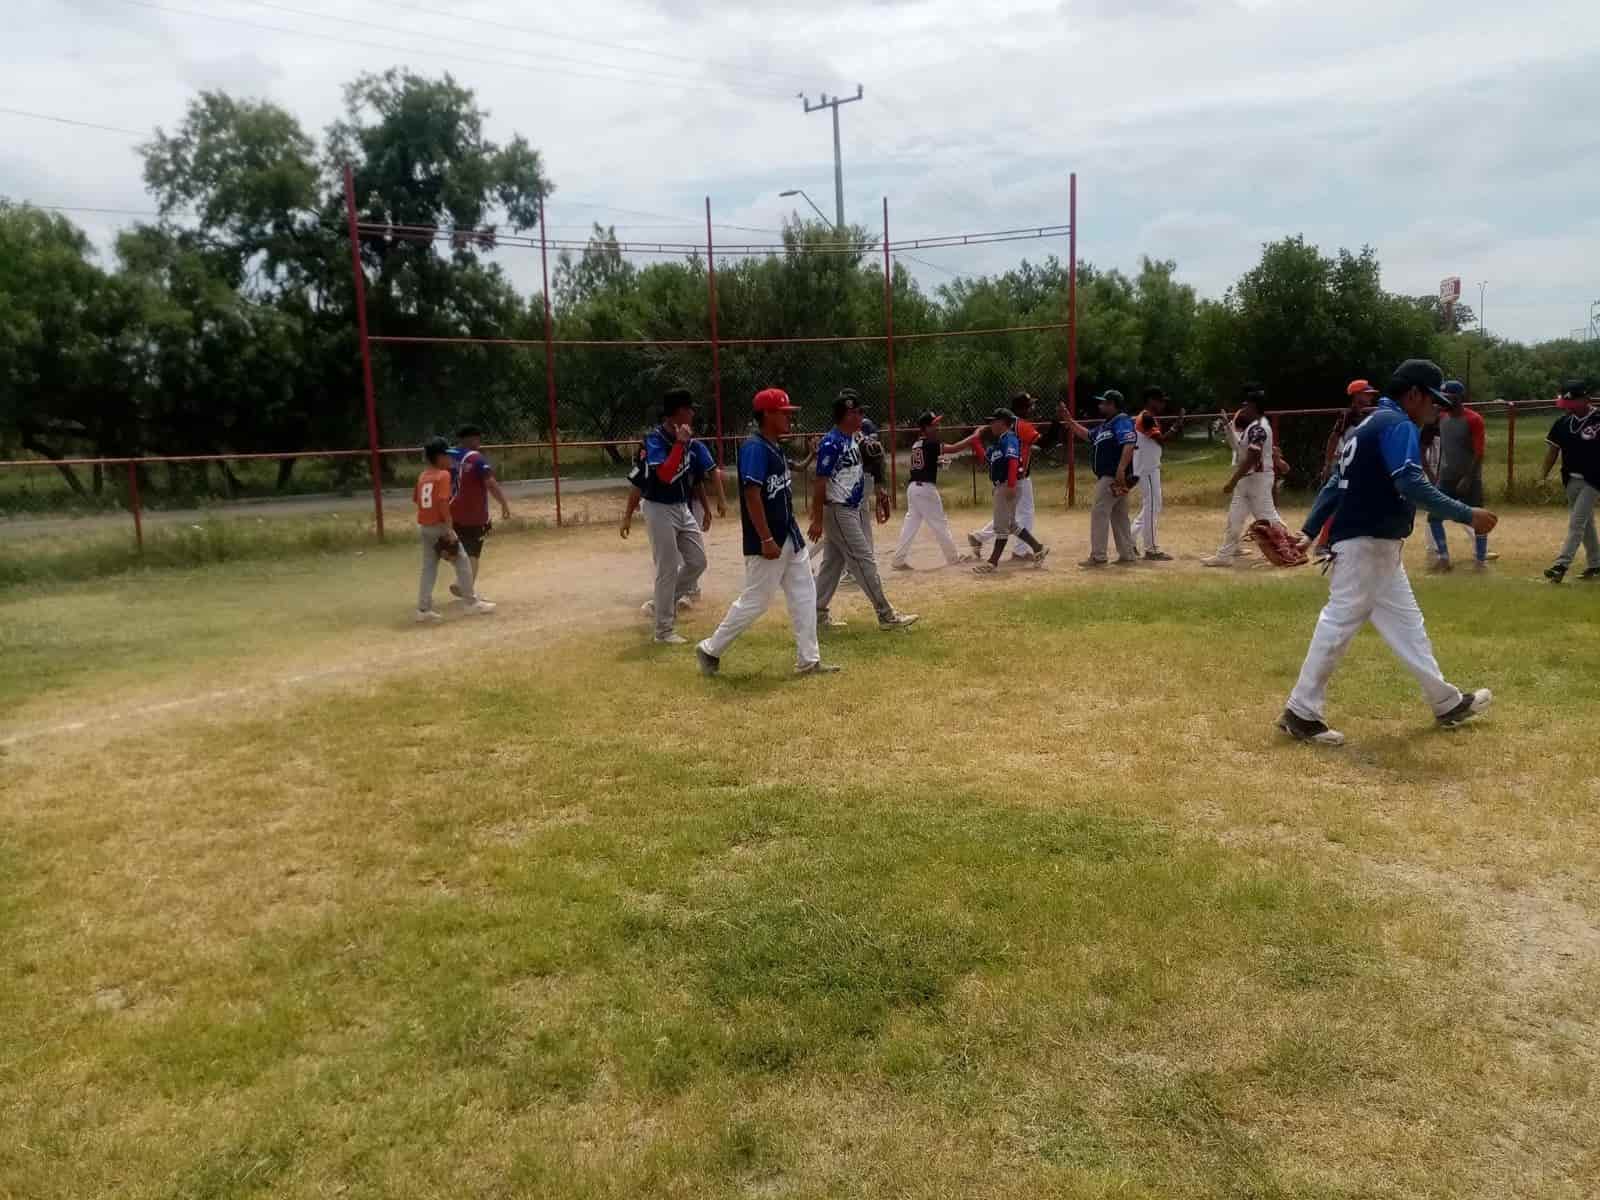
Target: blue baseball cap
(1454,393)
(867,427)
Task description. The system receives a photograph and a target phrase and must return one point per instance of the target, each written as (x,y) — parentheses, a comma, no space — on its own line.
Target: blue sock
(1483,547)
(1436,528)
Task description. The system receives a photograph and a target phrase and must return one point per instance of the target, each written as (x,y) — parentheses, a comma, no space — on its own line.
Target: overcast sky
(1458,137)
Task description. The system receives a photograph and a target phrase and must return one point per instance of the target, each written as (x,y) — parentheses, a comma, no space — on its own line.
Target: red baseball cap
(1360,387)
(774,400)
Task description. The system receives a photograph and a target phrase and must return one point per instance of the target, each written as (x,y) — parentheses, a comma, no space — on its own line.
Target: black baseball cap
(848,400)
(676,398)
(928,418)
(433,447)
(1425,374)
(467,431)
(1110,396)
(1003,414)
(1155,392)
(1574,389)
(1254,393)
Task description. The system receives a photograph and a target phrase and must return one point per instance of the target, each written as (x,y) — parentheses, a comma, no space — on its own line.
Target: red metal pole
(550,361)
(1511,447)
(366,349)
(716,358)
(133,503)
(1072,333)
(888,329)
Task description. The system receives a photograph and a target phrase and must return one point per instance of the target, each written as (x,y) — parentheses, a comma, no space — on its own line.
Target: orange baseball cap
(1360,387)
(774,400)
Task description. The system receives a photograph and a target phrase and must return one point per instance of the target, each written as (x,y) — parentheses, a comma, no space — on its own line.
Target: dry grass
(1028,902)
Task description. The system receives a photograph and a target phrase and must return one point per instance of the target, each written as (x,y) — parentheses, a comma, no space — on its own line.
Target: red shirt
(471,472)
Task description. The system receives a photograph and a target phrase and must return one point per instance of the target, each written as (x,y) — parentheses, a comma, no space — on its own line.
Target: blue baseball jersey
(839,462)
(658,447)
(1002,450)
(763,464)
(1382,447)
(1108,440)
(703,463)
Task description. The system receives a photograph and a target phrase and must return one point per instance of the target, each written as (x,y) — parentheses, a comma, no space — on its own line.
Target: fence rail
(131,467)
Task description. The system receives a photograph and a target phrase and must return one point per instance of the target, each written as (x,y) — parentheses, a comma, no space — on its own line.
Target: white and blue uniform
(846,544)
(1373,495)
(762,463)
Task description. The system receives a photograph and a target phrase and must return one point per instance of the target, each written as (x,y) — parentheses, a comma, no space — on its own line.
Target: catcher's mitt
(447,548)
(1278,546)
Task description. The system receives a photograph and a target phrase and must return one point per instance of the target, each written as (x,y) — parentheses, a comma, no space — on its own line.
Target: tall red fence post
(888,341)
(550,361)
(1072,333)
(366,349)
(135,505)
(716,357)
(1511,447)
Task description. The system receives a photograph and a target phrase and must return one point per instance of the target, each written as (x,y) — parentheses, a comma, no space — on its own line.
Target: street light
(1482,286)
(801,193)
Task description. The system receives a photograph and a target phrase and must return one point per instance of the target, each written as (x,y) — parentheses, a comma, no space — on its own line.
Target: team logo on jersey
(777,485)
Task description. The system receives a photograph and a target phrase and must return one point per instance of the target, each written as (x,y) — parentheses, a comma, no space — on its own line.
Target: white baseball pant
(924,505)
(1019,548)
(1144,525)
(790,571)
(1252,501)
(1368,582)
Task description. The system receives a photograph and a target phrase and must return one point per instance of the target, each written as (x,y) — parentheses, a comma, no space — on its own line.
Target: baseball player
(474,482)
(1254,472)
(1112,442)
(437,535)
(924,504)
(1462,441)
(1575,440)
(838,494)
(1005,473)
(1147,450)
(775,554)
(1373,496)
(1030,438)
(666,487)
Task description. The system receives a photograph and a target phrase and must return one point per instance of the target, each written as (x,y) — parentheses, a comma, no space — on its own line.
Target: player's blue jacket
(763,464)
(658,446)
(1377,484)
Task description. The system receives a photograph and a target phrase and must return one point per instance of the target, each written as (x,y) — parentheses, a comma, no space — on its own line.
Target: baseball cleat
(685,603)
(1472,703)
(1439,566)
(1124,561)
(961,558)
(1089,564)
(1216,560)
(975,542)
(1302,730)
(899,620)
(1157,556)
(426,616)
(985,568)
(709,663)
(1590,574)
(670,639)
(827,621)
(1480,565)
(1039,556)
(816,668)
(648,609)
(481,607)
(900,566)
(1556,572)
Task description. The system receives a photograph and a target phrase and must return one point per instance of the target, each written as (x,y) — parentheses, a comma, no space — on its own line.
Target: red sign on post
(1450,290)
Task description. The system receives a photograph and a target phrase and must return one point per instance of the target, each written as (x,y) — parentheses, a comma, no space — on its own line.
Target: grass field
(299,900)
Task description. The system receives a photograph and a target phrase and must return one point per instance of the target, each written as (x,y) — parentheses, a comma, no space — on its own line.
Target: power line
(390,46)
(624,71)
(579,41)
(18,112)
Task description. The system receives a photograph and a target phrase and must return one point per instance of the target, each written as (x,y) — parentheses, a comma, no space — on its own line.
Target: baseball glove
(447,547)
(1278,546)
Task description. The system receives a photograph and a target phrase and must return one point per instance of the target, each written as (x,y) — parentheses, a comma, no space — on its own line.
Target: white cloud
(1447,133)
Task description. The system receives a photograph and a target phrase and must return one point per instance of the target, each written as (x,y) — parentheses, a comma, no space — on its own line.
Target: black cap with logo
(1425,374)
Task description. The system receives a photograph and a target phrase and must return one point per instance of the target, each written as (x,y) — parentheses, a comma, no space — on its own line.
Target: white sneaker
(1472,703)
(831,622)
(1216,560)
(648,609)
(899,620)
(817,668)
(671,639)
(481,607)
(900,566)
(426,616)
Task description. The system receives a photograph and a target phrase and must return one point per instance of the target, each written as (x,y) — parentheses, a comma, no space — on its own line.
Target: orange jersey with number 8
(432,496)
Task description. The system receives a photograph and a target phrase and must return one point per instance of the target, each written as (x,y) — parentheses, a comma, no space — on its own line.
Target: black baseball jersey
(925,460)
(1578,439)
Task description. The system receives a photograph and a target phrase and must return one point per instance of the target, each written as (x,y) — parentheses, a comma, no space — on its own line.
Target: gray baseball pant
(1109,520)
(846,545)
(679,554)
(429,536)
(1582,496)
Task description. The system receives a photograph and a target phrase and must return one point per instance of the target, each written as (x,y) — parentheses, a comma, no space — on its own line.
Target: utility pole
(838,162)
(1483,286)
